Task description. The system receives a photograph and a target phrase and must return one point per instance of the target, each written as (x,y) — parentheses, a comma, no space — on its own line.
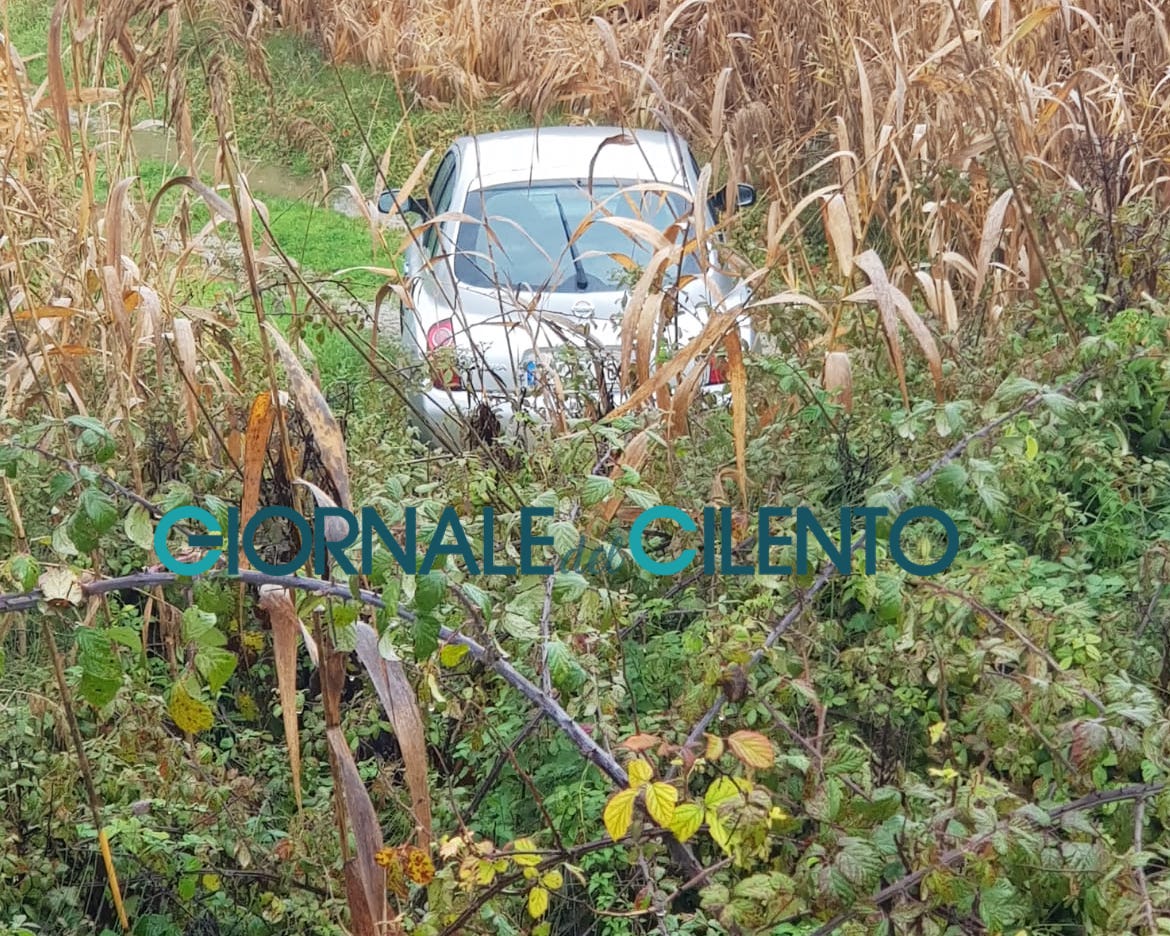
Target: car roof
(556,153)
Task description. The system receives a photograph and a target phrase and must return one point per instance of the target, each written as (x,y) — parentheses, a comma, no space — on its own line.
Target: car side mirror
(388,202)
(745,197)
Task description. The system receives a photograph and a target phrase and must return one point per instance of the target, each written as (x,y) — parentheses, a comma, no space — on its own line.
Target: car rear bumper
(445,418)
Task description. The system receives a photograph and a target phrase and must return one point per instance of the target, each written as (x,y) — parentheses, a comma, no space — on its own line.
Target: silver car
(522,260)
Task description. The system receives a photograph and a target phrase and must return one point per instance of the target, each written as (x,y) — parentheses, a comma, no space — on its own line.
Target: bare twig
(489,781)
(1139,870)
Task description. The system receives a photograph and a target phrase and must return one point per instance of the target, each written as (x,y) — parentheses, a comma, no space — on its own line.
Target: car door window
(439,196)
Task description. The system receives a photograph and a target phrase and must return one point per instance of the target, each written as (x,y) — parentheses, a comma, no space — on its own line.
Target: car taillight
(715,372)
(441,354)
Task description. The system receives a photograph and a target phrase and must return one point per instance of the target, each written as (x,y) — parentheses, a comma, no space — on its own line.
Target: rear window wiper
(582,277)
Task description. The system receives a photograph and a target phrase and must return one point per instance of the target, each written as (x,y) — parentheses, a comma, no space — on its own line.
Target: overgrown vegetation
(984,750)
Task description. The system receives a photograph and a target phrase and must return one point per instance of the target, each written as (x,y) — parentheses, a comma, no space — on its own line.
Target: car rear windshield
(528,246)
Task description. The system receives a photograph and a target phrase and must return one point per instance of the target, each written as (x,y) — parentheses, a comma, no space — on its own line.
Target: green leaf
(717,830)
(125,636)
(62,542)
(9,460)
(81,531)
(199,628)
(999,906)
(569,586)
(477,596)
(1014,388)
(216,666)
(99,507)
(429,590)
(101,671)
(24,570)
(187,885)
(643,499)
(89,424)
(596,489)
(520,625)
(564,536)
(859,861)
(176,494)
(567,674)
(60,485)
(139,528)
(426,636)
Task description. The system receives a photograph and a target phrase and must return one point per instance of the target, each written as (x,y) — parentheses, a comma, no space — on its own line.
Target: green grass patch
(311,115)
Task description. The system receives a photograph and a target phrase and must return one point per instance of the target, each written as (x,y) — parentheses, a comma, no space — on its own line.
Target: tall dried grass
(875,107)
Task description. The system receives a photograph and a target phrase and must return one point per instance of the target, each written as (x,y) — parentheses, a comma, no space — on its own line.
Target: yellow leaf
(660,800)
(537,902)
(687,819)
(718,831)
(522,846)
(210,881)
(189,714)
(714,748)
(485,873)
(1031,448)
(640,773)
(752,748)
(936,731)
(451,654)
(724,789)
(552,880)
(1030,22)
(946,773)
(619,813)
